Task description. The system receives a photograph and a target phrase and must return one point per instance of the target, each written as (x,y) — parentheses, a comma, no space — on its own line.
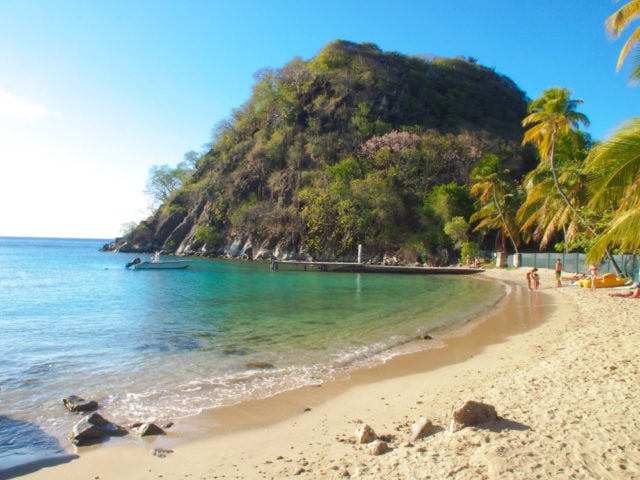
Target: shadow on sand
(25,448)
(502,424)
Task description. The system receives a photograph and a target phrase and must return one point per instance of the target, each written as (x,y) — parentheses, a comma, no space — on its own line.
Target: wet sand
(559,365)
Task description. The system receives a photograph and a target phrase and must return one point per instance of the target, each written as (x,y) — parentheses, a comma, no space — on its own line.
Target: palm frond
(614,169)
(617,22)
(623,232)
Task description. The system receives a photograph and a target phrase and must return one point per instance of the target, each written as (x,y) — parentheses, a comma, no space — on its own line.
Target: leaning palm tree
(551,115)
(614,169)
(544,213)
(490,185)
(616,23)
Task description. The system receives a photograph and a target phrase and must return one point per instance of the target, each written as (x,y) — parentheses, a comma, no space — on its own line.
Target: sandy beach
(566,387)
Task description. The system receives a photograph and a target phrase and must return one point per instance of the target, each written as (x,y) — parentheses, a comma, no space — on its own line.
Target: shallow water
(158,345)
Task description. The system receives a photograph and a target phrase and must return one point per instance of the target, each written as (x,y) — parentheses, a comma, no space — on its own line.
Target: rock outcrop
(147,429)
(93,429)
(365,434)
(472,413)
(421,428)
(378,447)
(74,403)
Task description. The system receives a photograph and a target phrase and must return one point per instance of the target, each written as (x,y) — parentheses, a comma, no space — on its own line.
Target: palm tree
(614,168)
(490,185)
(616,23)
(544,213)
(553,114)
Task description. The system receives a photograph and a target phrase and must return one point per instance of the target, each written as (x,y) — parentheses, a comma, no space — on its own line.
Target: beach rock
(161,452)
(93,428)
(421,428)
(378,447)
(147,429)
(472,413)
(74,403)
(365,434)
(260,365)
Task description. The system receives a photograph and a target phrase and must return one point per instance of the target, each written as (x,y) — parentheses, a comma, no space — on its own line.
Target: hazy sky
(95,92)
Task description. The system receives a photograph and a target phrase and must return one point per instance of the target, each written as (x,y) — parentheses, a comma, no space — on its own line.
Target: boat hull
(168,265)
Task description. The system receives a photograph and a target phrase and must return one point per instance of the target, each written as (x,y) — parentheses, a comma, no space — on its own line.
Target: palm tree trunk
(504,222)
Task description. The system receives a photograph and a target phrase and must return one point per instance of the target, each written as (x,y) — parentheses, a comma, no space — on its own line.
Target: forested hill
(340,150)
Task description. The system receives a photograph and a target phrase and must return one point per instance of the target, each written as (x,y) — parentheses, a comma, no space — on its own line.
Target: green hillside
(354,146)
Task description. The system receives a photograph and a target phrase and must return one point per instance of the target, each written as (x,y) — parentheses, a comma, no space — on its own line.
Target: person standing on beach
(558,273)
(536,280)
(595,271)
(529,276)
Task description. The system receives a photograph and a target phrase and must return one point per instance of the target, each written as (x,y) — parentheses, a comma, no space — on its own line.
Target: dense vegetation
(355,146)
(423,159)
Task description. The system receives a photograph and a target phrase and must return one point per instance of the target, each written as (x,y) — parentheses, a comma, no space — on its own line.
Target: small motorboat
(156,264)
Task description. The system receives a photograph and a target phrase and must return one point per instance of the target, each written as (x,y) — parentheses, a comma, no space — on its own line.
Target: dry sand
(567,391)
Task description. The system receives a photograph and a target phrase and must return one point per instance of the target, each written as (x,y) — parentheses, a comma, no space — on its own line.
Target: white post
(359,253)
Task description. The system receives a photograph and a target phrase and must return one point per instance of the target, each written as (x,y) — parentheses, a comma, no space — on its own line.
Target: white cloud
(13,107)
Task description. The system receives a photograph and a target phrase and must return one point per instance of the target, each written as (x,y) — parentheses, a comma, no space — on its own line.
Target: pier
(354,267)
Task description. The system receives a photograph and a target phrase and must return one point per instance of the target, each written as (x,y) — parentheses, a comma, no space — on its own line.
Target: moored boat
(162,265)
(156,264)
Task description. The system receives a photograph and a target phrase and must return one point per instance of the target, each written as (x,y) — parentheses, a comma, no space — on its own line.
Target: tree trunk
(504,222)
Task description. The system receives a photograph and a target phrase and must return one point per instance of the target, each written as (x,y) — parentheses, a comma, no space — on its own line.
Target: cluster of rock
(94,428)
(121,246)
(235,248)
(470,413)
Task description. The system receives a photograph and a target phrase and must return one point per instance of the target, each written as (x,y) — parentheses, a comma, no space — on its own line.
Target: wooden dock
(353,267)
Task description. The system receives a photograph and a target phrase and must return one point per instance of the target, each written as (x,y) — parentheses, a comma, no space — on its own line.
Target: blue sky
(93,93)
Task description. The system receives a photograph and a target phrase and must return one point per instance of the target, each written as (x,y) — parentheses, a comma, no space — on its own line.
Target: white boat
(156,264)
(162,265)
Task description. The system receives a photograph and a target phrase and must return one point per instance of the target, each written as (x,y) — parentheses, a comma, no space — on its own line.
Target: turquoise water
(160,345)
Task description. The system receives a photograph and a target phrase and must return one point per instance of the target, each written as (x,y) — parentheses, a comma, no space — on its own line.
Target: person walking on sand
(529,276)
(558,273)
(595,271)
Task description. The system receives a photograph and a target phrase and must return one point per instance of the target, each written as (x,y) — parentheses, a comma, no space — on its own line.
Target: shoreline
(449,345)
(526,374)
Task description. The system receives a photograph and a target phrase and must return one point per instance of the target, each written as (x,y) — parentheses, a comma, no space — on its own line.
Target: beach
(566,388)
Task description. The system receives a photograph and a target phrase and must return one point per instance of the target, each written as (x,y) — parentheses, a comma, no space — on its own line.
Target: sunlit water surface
(159,345)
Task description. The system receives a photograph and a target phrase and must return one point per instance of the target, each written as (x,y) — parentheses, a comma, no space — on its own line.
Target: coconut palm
(614,168)
(616,23)
(491,186)
(544,213)
(551,115)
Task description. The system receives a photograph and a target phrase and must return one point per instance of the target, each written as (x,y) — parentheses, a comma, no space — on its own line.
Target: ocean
(163,345)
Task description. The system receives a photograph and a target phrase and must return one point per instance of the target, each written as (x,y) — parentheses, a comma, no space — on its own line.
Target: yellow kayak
(603,281)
